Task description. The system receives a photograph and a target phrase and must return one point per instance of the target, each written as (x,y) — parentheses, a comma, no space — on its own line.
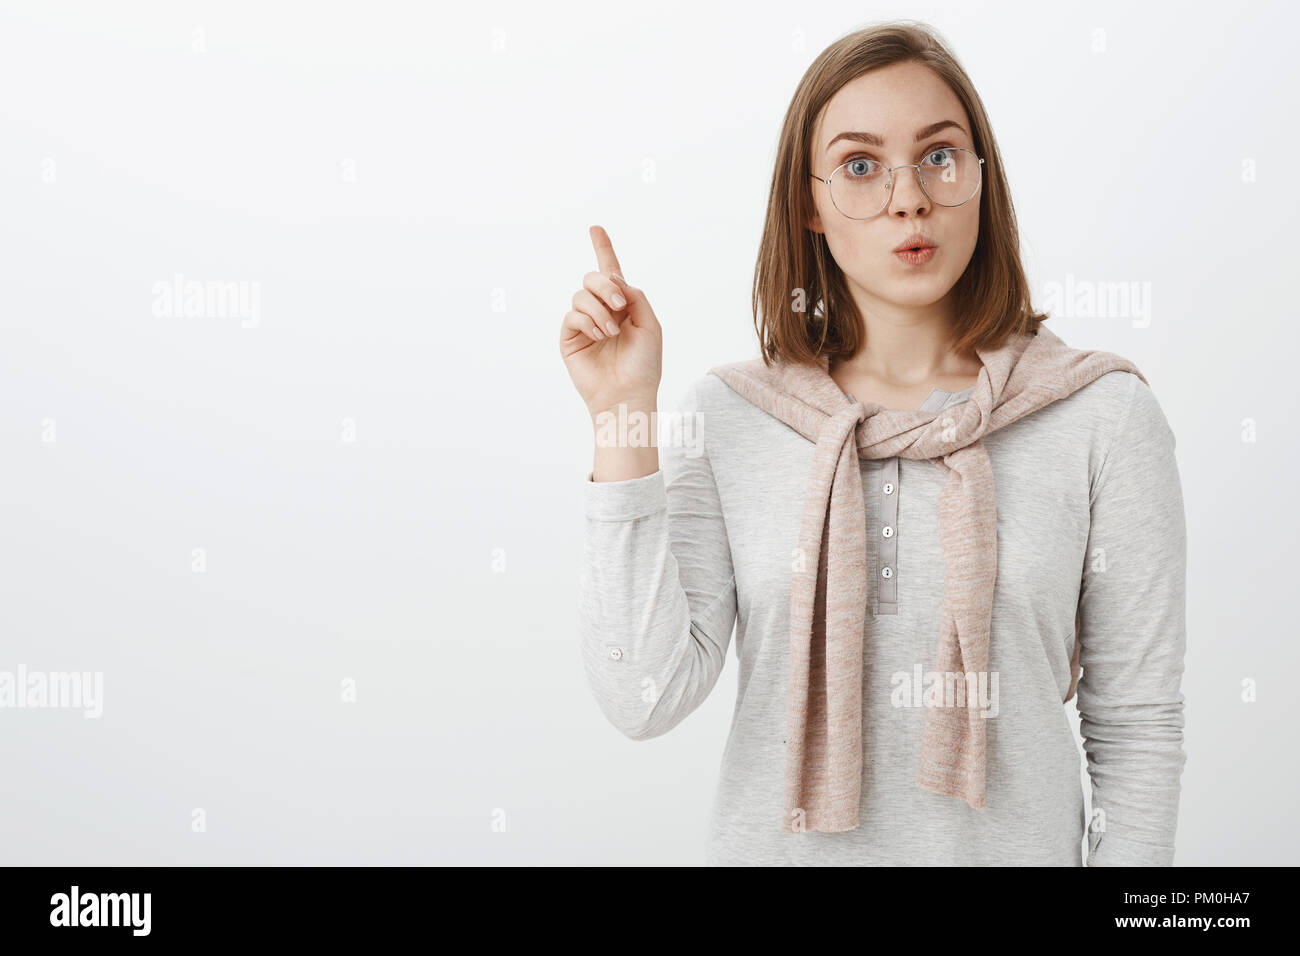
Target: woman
(927,518)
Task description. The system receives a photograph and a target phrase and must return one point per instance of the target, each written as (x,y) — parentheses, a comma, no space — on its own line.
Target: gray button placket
(887,541)
(886,547)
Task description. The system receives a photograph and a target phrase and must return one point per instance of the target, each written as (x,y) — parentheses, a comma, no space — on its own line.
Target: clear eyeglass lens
(860,187)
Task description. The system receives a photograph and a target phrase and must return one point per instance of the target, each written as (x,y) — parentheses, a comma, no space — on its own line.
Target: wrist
(623,406)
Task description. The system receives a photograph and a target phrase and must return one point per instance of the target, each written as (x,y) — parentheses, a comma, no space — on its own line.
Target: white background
(409,187)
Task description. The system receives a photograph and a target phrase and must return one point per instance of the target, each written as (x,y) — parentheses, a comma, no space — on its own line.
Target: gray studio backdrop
(292,469)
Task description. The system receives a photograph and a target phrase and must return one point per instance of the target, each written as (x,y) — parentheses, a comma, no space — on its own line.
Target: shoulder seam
(1120,425)
(713,477)
(704,431)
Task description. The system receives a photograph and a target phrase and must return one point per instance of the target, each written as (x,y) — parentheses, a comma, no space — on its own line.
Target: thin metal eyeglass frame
(889,189)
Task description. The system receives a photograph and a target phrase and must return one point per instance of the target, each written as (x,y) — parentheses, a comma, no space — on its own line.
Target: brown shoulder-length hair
(802,306)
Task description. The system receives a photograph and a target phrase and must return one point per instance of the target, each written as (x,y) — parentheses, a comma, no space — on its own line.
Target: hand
(611,340)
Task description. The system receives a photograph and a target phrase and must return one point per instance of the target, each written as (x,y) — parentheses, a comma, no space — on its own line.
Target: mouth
(915,255)
(914,243)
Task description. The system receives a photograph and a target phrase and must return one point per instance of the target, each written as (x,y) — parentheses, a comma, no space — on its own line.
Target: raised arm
(658,594)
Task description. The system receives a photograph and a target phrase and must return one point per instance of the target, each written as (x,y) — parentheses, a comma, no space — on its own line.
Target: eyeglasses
(861,187)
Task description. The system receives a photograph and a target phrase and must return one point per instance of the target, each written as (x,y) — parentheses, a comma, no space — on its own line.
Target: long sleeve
(1132,640)
(657,590)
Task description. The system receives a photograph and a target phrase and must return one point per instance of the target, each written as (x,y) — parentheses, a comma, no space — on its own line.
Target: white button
(889,488)
(886,572)
(887,531)
(616,653)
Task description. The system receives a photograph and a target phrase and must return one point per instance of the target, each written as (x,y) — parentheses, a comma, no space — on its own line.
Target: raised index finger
(606,261)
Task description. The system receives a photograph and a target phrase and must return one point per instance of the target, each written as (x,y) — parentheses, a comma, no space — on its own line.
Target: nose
(907,194)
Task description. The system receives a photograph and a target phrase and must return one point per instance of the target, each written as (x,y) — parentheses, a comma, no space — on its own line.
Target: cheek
(972,222)
(848,241)
(849,246)
(966,236)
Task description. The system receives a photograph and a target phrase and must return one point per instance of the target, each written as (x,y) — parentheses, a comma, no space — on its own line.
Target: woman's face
(896,114)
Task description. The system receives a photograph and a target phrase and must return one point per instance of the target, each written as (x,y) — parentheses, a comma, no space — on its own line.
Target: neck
(908,346)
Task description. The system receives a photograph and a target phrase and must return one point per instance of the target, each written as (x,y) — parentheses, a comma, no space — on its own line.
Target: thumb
(629,292)
(638,309)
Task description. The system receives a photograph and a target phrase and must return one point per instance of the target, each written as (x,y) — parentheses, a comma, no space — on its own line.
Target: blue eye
(945,157)
(861,168)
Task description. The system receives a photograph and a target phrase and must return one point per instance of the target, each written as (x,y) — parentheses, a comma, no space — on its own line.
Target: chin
(919,293)
(918,301)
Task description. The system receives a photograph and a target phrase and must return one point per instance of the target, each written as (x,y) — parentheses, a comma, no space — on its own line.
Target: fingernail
(613,329)
(597,330)
(618,300)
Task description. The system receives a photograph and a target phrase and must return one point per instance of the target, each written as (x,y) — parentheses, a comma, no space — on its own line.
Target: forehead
(892,101)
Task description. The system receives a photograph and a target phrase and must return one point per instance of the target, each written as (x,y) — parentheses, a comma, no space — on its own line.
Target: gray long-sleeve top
(1090,520)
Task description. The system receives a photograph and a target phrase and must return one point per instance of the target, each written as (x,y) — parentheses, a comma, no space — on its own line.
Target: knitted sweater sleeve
(1132,641)
(657,590)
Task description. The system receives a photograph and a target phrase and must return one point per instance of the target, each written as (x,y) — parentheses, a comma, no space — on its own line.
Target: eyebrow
(872,139)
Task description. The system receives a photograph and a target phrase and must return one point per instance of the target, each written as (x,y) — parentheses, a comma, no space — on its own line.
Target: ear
(815,223)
